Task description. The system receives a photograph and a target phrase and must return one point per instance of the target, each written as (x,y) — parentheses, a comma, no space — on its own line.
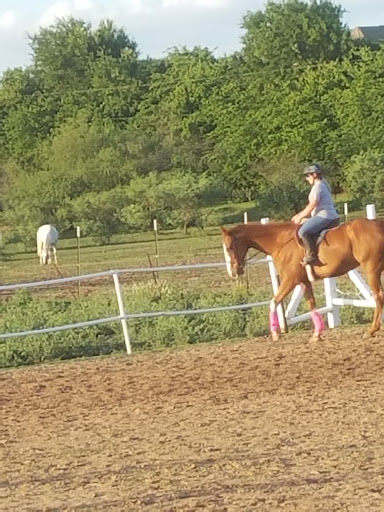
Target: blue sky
(156,25)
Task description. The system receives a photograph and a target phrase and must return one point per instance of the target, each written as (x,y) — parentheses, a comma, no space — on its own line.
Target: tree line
(93,134)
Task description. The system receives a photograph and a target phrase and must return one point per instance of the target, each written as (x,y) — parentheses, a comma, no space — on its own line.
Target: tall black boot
(309,243)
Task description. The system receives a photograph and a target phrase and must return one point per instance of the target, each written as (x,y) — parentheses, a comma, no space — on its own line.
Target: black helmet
(313,168)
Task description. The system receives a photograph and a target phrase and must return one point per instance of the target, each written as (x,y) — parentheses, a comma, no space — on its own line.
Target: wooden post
(156,243)
(246,265)
(78,259)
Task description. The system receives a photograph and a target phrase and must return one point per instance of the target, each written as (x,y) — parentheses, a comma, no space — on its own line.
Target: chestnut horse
(358,242)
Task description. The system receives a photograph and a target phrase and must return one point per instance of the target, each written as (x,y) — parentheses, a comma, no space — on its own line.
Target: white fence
(289,317)
(123,316)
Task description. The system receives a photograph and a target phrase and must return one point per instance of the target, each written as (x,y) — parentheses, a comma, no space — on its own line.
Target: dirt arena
(243,426)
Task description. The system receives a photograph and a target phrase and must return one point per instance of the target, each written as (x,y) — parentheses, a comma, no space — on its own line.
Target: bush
(27,312)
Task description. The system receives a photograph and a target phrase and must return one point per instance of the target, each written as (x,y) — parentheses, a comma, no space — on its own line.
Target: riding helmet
(313,168)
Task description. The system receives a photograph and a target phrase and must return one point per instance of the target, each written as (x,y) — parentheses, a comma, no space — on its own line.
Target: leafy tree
(173,107)
(294,32)
(26,117)
(61,55)
(135,218)
(98,214)
(282,189)
(33,200)
(364,177)
(359,106)
(93,157)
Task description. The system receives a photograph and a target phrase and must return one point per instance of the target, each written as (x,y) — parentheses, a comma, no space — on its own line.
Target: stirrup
(309,259)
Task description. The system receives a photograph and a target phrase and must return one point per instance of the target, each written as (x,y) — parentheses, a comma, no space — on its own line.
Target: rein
(278,250)
(250,257)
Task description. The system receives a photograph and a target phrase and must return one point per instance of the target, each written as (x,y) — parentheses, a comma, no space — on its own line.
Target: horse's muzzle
(237,270)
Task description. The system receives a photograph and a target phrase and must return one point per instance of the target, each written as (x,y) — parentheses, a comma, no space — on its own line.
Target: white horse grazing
(47,237)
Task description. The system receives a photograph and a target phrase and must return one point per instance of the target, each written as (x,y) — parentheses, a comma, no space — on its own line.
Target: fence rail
(123,315)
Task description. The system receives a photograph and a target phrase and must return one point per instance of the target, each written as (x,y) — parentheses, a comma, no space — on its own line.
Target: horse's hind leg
(373,273)
(316,317)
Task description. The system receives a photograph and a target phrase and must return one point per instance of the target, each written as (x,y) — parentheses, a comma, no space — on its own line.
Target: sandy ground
(243,426)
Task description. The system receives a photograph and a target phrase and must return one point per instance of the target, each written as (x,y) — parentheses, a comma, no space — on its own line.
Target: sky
(155,25)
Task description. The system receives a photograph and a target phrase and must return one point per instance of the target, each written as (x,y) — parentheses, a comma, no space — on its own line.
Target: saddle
(320,237)
(311,245)
(334,224)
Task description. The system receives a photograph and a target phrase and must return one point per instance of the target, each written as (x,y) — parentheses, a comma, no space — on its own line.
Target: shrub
(27,312)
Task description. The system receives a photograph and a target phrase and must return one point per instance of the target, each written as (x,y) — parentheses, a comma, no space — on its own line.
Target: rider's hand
(296,219)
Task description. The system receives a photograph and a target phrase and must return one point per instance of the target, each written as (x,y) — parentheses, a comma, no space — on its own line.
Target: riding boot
(309,243)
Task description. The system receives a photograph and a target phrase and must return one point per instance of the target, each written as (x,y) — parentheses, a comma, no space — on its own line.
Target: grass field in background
(131,249)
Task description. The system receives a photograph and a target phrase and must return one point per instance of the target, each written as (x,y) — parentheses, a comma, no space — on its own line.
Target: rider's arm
(306,212)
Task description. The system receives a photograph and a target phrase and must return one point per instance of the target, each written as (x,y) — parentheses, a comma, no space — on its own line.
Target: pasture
(248,425)
(130,250)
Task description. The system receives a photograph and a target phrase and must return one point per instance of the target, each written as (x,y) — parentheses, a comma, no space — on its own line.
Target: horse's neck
(268,238)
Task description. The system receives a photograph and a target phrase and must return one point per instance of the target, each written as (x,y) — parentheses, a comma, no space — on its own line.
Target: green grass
(130,250)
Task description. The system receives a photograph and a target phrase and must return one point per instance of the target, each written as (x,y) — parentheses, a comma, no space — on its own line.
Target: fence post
(275,286)
(371,211)
(330,291)
(78,260)
(296,297)
(120,303)
(346,212)
(246,264)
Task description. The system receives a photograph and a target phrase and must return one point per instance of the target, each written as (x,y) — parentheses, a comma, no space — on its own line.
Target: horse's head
(235,250)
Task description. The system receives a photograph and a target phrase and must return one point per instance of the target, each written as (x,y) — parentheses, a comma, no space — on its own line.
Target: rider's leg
(308,233)
(309,243)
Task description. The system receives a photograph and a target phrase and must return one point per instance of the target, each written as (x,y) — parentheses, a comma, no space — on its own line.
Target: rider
(320,210)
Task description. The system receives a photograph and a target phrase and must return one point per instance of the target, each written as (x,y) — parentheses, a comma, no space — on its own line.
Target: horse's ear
(224,231)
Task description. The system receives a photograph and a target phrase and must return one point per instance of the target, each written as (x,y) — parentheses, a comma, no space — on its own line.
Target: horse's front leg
(286,286)
(317,319)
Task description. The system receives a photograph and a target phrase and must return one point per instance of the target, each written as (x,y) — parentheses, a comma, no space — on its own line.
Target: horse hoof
(368,335)
(275,336)
(315,337)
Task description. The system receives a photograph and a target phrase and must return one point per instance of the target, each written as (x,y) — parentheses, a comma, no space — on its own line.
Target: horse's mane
(270,227)
(264,237)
